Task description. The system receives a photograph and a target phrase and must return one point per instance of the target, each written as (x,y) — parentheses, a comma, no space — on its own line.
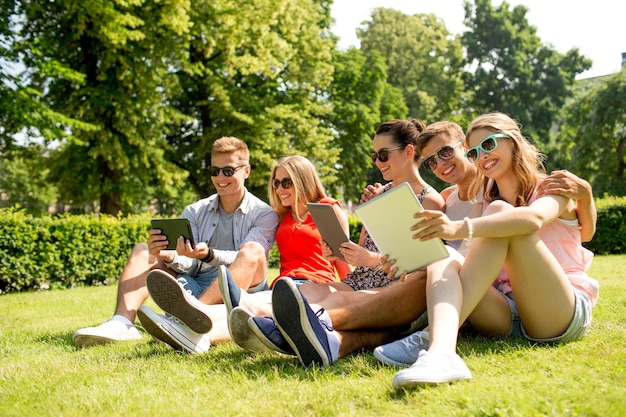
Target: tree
(116,58)
(512,71)
(22,112)
(423,60)
(23,179)
(362,100)
(257,70)
(593,135)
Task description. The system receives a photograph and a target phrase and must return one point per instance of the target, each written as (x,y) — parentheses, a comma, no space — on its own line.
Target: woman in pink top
(544,293)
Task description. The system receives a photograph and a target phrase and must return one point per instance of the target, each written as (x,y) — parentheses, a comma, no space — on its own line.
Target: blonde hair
(230,144)
(453,130)
(527,160)
(306,183)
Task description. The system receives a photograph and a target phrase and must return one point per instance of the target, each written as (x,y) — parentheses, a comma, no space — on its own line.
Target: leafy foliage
(64,252)
(423,60)
(512,71)
(592,137)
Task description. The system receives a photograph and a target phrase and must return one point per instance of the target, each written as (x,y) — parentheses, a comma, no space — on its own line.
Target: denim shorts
(198,284)
(576,330)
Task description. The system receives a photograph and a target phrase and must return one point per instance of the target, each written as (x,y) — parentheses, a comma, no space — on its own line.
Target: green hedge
(77,250)
(65,251)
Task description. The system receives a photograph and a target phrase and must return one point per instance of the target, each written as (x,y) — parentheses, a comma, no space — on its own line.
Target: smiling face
(399,160)
(452,171)
(496,163)
(230,187)
(287,196)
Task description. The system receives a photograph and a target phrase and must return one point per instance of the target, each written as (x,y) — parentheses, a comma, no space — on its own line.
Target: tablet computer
(173,229)
(388,218)
(328,224)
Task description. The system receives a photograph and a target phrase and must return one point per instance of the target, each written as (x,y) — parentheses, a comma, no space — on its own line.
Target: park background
(107,114)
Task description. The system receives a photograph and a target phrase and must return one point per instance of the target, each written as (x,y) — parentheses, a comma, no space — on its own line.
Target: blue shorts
(198,284)
(576,330)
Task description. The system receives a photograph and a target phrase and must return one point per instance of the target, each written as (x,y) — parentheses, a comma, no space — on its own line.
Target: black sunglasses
(383,154)
(227,171)
(285,182)
(445,153)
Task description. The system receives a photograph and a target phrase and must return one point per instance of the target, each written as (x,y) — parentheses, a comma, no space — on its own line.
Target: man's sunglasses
(383,154)
(445,153)
(489,144)
(227,171)
(285,182)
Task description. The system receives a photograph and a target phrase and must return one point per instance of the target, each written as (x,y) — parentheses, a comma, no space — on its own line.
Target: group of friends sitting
(516,264)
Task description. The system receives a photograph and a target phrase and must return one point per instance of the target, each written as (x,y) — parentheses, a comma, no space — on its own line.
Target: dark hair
(403,132)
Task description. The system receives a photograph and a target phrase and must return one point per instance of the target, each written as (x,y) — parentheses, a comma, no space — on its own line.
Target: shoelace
(414,340)
(323,321)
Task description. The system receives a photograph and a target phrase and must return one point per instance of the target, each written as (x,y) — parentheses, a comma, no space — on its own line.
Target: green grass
(42,373)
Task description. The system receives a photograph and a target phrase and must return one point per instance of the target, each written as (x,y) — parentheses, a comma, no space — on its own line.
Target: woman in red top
(294,183)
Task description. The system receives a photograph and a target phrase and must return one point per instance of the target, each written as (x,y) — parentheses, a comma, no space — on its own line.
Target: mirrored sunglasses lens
(472,155)
(214,171)
(445,153)
(488,145)
(430,163)
(286,183)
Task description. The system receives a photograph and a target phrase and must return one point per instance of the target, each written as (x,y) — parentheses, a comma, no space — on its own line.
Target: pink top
(564,242)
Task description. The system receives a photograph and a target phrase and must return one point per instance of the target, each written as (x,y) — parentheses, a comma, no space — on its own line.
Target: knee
(140,249)
(253,251)
(497,206)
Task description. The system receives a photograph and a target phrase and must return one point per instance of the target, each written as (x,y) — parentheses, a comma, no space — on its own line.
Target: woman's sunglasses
(488,145)
(285,182)
(383,154)
(445,153)
(227,171)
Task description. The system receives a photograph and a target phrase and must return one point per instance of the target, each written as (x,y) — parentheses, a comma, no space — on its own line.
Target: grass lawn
(43,374)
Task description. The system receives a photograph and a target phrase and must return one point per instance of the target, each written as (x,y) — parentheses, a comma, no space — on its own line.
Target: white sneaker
(108,332)
(187,339)
(432,368)
(403,352)
(241,332)
(151,322)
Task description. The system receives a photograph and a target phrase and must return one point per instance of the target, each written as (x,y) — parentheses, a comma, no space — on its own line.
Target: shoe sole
(406,382)
(265,340)
(241,333)
(297,328)
(156,330)
(92,340)
(168,294)
(388,361)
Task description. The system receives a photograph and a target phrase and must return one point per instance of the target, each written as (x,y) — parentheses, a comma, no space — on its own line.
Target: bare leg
(131,289)
(315,293)
(248,269)
(351,341)
(540,286)
(381,308)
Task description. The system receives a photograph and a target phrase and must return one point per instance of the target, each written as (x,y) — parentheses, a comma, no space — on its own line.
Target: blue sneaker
(310,334)
(172,297)
(231,293)
(266,331)
(403,352)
